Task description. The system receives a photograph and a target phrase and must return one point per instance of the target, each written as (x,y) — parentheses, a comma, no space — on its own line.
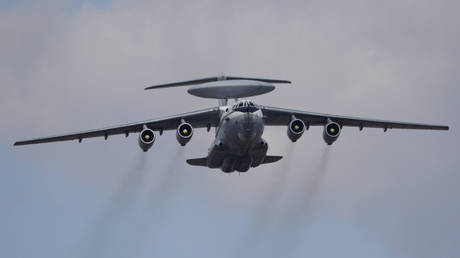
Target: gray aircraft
(238,143)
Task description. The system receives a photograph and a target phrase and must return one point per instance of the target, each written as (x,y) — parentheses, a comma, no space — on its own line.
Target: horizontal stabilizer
(271,159)
(197,162)
(213,79)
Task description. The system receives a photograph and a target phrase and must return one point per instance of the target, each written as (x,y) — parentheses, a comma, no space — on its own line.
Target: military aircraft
(238,143)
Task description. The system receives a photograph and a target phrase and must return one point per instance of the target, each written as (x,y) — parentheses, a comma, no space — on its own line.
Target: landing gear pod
(331,132)
(184,133)
(295,129)
(146,139)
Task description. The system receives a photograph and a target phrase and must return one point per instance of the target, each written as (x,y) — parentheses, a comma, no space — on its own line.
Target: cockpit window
(245,106)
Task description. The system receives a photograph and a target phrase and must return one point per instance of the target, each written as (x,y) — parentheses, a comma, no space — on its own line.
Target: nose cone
(246,136)
(247,127)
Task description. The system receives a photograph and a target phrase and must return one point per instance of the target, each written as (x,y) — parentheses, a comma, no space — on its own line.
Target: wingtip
(282,81)
(21,143)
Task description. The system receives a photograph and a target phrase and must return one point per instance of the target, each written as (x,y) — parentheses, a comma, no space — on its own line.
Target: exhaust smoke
(287,207)
(119,203)
(165,188)
(309,187)
(264,211)
(162,187)
(300,213)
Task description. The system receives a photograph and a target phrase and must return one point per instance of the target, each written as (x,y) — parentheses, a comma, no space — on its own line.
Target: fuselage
(238,144)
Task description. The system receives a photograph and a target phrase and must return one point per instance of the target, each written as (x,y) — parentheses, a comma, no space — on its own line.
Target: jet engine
(184,133)
(331,132)
(295,129)
(146,139)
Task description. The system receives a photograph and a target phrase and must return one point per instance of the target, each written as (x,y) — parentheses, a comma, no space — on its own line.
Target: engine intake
(146,139)
(295,129)
(184,133)
(331,132)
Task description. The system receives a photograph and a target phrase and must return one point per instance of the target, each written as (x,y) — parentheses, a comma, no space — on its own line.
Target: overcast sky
(76,65)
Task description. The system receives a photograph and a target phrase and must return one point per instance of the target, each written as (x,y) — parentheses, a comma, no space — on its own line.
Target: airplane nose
(246,128)
(246,136)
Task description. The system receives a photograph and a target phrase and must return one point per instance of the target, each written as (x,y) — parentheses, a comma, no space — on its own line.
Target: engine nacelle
(295,129)
(184,133)
(331,132)
(146,139)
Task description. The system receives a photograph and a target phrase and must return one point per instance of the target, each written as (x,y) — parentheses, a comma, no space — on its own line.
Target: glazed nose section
(247,127)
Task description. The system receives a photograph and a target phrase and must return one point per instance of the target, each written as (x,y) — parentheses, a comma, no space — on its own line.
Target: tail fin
(271,159)
(203,161)
(198,162)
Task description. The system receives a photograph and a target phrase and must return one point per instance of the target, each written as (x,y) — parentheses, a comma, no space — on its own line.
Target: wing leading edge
(198,119)
(281,116)
(210,117)
(213,79)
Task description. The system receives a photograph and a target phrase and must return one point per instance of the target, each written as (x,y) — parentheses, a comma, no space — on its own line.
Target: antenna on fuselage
(224,101)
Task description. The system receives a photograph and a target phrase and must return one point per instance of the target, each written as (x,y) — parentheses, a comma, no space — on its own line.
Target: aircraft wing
(198,119)
(281,116)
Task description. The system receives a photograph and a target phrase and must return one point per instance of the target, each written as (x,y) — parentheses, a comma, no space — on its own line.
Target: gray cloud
(65,68)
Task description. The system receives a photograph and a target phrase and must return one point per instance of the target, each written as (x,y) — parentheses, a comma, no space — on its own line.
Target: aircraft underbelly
(229,160)
(238,145)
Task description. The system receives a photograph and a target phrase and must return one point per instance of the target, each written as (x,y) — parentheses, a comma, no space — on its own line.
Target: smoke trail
(170,180)
(166,187)
(311,185)
(264,209)
(120,200)
(126,193)
(300,215)
(263,215)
